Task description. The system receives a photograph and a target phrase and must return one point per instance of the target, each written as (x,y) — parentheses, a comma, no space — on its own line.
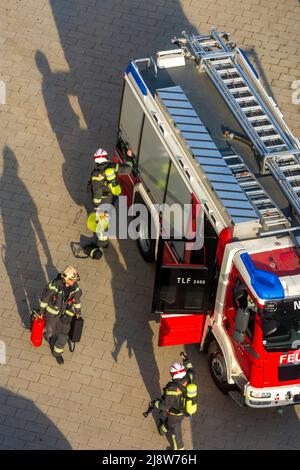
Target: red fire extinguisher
(38,324)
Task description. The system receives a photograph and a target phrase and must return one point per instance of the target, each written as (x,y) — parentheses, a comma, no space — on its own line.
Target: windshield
(281,324)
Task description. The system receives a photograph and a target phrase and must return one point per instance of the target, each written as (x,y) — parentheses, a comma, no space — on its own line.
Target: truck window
(131,118)
(242,299)
(154,163)
(178,196)
(206,256)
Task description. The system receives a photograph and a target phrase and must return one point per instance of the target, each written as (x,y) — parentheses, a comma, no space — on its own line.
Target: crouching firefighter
(104,184)
(179,399)
(60,301)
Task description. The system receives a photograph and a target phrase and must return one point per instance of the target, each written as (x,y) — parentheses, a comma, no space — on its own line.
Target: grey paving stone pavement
(62,64)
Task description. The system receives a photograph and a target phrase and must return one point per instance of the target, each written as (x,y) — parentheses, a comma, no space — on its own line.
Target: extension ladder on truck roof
(252,196)
(274,143)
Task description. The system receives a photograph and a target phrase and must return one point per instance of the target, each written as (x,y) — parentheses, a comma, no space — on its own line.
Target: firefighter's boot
(59,358)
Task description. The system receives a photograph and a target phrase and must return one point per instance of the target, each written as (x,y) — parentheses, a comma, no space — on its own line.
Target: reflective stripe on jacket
(104,180)
(57,298)
(171,400)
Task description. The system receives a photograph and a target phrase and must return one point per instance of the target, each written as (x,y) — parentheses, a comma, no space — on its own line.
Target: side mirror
(240,325)
(240,295)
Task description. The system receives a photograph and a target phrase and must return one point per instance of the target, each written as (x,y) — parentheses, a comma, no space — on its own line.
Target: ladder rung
(221,61)
(226,70)
(258,192)
(248,184)
(274,222)
(271,211)
(252,108)
(295,178)
(244,98)
(267,127)
(239,90)
(233,80)
(202,37)
(207,43)
(270,137)
(271,216)
(256,118)
(262,201)
(292,167)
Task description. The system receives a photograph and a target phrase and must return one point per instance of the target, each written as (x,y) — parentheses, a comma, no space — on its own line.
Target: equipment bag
(189,398)
(37,329)
(75,331)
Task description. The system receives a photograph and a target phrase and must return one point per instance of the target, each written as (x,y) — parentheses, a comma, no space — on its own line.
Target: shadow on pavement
(22,234)
(255,60)
(24,426)
(98,38)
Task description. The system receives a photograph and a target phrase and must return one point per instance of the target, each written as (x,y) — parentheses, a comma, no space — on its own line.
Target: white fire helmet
(70,273)
(177,370)
(100,156)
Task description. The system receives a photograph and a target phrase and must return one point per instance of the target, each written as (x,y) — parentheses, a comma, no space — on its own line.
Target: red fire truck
(205,132)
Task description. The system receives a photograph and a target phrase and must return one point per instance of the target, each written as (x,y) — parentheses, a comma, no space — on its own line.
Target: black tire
(146,245)
(216,364)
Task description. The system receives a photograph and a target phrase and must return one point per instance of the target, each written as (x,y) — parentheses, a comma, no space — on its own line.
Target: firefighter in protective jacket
(104,178)
(106,188)
(60,301)
(170,404)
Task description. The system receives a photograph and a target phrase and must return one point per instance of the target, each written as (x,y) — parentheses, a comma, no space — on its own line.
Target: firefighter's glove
(156,403)
(38,314)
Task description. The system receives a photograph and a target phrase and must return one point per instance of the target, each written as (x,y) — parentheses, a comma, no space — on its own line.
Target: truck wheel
(145,244)
(217,368)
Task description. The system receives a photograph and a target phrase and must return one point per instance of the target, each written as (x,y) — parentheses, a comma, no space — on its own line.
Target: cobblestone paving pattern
(62,63)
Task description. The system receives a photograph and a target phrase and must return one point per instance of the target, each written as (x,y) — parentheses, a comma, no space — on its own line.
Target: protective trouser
(51,325)
(61,336)
(59,329)
(172,425)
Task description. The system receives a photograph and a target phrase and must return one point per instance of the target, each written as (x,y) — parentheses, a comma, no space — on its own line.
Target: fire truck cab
(205,133)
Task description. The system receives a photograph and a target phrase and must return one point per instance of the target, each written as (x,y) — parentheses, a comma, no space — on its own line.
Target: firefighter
(170,404)
(60,301)
(105,186)
(103,180)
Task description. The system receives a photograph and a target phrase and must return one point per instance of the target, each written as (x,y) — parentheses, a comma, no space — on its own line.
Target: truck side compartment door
(182,294)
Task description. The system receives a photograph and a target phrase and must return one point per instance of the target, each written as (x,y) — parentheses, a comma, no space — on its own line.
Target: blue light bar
(267,285)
